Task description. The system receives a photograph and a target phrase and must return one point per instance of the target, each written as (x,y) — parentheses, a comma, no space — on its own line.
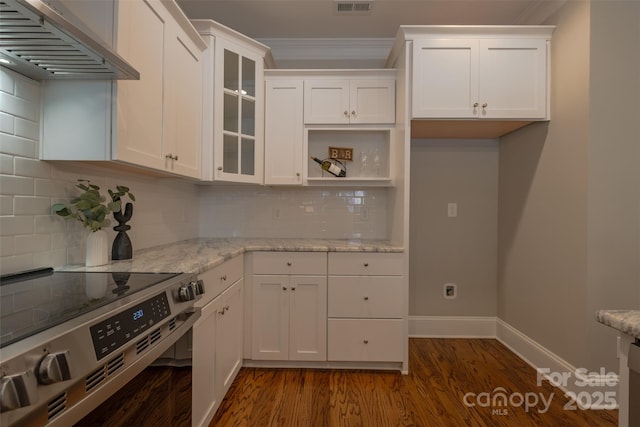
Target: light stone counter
(198,255)
(626,321)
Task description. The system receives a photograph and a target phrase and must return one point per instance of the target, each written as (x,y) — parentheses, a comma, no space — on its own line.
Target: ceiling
(282,23)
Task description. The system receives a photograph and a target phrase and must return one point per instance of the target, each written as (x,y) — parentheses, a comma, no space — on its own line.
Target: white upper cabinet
(284,132)
(233,118)
(153,122)
(349,101)
(480,73)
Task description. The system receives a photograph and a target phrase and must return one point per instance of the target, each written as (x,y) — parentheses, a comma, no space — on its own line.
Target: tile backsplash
(165,210)
(290,212)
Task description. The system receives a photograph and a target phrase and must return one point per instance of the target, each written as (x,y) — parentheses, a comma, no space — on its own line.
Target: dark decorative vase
(122,248)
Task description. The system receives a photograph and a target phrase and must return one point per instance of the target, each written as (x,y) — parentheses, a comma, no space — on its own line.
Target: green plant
(90,207)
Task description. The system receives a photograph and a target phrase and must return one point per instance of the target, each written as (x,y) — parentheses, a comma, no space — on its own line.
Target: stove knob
(199,287)
(54,368)
(18,390)
(186,293)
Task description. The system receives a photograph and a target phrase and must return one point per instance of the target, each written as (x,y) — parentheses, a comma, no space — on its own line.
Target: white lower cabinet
(217,340)
(366,307)
(289,306)
(365,340)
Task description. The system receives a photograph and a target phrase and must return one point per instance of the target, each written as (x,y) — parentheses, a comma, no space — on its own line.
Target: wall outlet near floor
(450,290)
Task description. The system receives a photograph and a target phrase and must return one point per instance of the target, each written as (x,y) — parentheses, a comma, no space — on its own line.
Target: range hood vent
(41,44)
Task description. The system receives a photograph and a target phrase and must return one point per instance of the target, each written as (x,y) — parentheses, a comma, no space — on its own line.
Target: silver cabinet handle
(366,341)
(475,105)
(346,113)
(224,277)
(171,157)
(288,263)
(366,298)
(353,113)
(366,264)
(484,106)
(293,288)
(284,288)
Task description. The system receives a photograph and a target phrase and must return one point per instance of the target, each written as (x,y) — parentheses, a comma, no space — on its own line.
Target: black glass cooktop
(37,300)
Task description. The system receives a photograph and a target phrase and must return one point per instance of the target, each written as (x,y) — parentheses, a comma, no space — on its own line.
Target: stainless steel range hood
(41,44)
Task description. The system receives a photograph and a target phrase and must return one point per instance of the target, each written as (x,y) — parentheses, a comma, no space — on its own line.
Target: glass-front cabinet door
(238,140)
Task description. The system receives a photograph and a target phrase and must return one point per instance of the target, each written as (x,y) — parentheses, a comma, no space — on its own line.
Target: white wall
(460,250)
(289,212)
(165,210)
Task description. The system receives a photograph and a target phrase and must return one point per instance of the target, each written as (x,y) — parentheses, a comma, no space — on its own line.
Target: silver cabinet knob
(224,277)
(220,168)
(475,105)
(293,288)
(284,288)
(366,264)
(366,341)
(54,368)
(346,113)
(289,263)
(353,113)
(366,298)
(18,390)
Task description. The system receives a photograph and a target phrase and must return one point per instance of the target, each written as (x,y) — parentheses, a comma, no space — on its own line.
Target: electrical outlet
(452,210)
(450,290)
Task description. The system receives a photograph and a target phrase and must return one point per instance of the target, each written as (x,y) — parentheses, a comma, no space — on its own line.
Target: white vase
(97,249)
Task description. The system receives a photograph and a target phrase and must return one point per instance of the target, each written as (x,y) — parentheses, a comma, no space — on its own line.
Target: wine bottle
(333,168)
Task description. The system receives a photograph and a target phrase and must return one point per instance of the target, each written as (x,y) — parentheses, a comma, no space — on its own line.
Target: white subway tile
(7,123)
(52,258)
(23,205)
(6,205)
(14,264)
(19,107)
(30,243)
(51,188)
(7,79)
(14,225)
(16,185)
(28,89)
(32,168)
(6,246)
(50,223)
(6,164)
(10,144)
(27,129)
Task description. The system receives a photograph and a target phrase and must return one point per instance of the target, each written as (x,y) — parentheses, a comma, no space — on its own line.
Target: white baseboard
(452,327)
(588,390)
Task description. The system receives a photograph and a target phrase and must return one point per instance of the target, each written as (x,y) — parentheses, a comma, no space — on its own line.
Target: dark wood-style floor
(442,372)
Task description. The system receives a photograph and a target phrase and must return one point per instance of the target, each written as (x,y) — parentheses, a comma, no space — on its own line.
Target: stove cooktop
(37,300)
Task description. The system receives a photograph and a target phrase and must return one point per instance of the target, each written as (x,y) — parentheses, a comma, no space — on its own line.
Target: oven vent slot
(172,324)
(115,364)
(56,405)
(142,345)
(155,336)
(94,378)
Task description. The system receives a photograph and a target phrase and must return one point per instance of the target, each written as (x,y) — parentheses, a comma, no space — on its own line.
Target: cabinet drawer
(312,263)
(220,278)
(365,263)
(366,296)
(366,340)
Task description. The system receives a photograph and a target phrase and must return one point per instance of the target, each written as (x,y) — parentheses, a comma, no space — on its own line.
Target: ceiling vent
(353,7)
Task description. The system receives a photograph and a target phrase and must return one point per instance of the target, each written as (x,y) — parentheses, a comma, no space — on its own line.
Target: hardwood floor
(442,372)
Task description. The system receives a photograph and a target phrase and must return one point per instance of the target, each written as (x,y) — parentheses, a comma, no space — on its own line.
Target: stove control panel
(114,332)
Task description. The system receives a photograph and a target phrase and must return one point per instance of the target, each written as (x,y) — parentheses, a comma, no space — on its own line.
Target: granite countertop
(198,255)
(627,321)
